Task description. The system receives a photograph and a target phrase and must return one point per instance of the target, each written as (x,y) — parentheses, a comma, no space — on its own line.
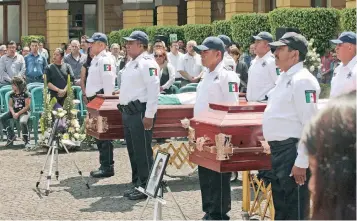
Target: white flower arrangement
(312,61)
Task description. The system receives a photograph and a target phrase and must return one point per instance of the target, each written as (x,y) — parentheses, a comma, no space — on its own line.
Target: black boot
(103,172)
(26,139)
(10,136)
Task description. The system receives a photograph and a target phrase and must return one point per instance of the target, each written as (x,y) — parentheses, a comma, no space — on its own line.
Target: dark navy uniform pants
(291,201)
(216,193)
(138,141)
(105,148)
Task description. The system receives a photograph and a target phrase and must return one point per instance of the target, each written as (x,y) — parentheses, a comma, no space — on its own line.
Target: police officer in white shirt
(344,79)
(220,85)
(228,60)
(190,66)
(262,72)
(291,104)
(139,96)
(175,58)
(101,80)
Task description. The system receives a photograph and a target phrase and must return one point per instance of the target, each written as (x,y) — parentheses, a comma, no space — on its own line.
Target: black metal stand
(159,201)
(53,149)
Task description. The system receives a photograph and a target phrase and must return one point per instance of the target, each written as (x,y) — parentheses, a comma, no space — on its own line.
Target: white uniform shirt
(261,77)
(101,75)
(140,81)
(344,79)
(229,62)
(291,105)
(218,86)
(171,80)
(191,64)
(175,60)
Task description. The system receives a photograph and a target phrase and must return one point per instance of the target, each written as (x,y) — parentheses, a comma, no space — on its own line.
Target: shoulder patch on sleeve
(153,72)
(233,86)
(107,67)
(310,96)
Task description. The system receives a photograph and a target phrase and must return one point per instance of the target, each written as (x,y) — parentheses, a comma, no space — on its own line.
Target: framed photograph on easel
(157,173)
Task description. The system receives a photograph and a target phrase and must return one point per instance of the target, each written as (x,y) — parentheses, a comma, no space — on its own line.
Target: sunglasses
(158,56)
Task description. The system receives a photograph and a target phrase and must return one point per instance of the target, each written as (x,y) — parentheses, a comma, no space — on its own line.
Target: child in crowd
(19,106)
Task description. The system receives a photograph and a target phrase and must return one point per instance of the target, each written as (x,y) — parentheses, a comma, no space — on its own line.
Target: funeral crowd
(313,152)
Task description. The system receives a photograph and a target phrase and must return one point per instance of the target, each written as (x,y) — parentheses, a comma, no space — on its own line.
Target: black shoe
(102,173)
(10,140)
(136,195)
(205,217)
(127,193)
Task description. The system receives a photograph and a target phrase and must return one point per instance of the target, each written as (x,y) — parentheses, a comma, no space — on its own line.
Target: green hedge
(244,26)
(197,32)
(223,27)
(348,19)
(117,36)
(321,24)
(26,40)
(166,31)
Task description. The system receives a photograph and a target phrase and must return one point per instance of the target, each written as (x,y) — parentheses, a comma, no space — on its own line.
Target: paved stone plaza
(70,199)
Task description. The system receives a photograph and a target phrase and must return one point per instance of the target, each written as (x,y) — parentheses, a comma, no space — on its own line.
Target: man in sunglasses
(139,96)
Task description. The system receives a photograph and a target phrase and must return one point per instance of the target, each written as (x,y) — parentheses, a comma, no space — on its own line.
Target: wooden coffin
(240,129)
(104,121)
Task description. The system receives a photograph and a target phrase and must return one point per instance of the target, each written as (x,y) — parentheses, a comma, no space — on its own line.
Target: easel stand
(159,201)
(54,154)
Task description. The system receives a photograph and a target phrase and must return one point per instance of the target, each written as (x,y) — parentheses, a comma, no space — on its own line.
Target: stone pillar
(198,12)
(238,6)
(293,3)
(56,25)
(138,13)
(167,12)
(350,3)
(339,4)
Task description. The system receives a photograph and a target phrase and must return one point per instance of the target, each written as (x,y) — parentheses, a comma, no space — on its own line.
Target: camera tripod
(53,150)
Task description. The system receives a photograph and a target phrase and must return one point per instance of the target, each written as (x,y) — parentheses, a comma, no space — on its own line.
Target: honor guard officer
(220,84)
(139,96)
(344,79)
(291,104)
(262,72)
(227,59)
(101,80)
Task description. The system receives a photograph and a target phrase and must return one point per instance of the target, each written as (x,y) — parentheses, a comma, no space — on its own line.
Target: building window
(10,22)
(82,18)
(218,10)
(182,13)
(319,3)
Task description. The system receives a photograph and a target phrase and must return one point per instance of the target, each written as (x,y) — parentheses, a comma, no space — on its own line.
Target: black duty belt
(283,142)
(133,107)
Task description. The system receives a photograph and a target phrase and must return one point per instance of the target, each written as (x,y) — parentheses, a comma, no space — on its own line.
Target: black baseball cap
(345,37)
(138,36)
(98,36)
(210,43)
(226,40)
(293,40)
(263,36)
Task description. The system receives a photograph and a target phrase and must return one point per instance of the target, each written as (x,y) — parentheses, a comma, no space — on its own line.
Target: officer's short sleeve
(229,83)
(107,71)
(305,98)
(150,73)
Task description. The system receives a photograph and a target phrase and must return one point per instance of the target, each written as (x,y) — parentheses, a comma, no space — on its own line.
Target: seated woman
(57,74)
(167,72)
(330,139)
